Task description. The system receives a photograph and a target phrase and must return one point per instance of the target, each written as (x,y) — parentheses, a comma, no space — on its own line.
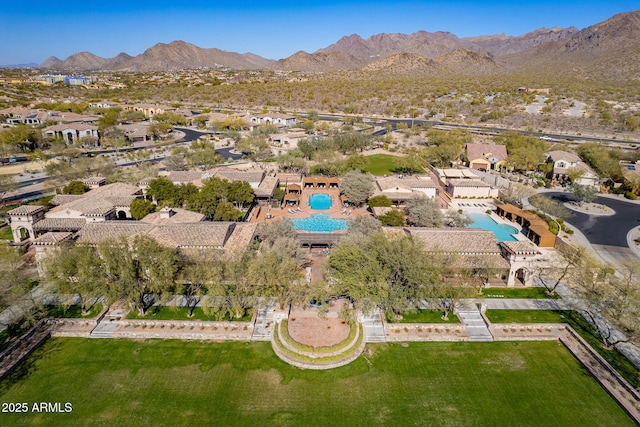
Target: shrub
(392,219)
(631,196)
(380,201)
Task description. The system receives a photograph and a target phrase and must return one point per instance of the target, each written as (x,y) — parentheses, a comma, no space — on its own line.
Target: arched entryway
(23,234)
(523,277)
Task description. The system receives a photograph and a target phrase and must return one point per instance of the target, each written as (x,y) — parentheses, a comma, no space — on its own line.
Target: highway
(31,187)
(484,130)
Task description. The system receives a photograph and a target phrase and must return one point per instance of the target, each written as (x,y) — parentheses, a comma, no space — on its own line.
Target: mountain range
(609,48)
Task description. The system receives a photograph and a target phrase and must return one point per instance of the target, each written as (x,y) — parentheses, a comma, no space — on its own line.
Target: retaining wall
(189,330)
(425,332)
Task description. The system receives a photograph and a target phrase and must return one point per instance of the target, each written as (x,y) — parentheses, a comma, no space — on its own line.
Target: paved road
(609,230)
(606,234)
(34,187)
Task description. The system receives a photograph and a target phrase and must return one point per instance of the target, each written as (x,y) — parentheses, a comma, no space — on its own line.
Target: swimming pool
(503,232)
(320,223)
(320,201)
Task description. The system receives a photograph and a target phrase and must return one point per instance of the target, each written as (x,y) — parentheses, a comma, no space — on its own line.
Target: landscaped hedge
(319,360)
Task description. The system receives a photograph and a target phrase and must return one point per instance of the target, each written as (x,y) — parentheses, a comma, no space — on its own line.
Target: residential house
(399,189)
(149,110)
(564,162)
(487,157)
(470,188)
(286,120)
(71,133)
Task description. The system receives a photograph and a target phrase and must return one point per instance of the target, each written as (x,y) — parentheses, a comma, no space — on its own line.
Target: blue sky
(32,31)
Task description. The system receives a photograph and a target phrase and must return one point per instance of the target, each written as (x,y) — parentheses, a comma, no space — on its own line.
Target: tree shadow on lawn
(27,367)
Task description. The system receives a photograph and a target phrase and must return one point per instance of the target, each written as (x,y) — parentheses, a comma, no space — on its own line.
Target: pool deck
(336,210)
(481,206)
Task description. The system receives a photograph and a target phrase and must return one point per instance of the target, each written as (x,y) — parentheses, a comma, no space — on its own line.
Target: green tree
(276,274)
(20,138)
(225,211)
(363,226)
(270,232)
(379,201)
(392,218)
(357,274)
(408,164)
(292,161)
(584,193)
(196,276)
(357,187)
(7,184)
(142,272)
(240,193)
(202,154)
(77,270)
(159,130)
(141,208)
(116,142)
(423,212)
(74,187)
(525,152)
(162,189)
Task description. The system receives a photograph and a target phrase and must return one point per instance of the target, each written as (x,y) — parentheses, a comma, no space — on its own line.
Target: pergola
(294,189)
(537,229)
(292,199)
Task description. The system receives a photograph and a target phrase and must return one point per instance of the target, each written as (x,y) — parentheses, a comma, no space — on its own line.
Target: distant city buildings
(70,80)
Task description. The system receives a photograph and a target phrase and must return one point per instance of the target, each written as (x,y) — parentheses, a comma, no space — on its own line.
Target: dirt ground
(307,327)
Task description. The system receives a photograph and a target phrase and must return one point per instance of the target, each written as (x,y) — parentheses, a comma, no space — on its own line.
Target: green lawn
(526,316)
(580,325)
(5,233)
(181,313)
(533,292)
(381,164)
(174,383)
(428,316)
(73,311)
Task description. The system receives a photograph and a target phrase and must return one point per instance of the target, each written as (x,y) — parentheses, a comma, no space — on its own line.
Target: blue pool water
(320,223)
(503,232)
(320,201)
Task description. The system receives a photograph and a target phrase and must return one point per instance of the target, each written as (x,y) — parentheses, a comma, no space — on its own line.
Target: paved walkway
(106,328)
(17,310)
(522,304)
(474,323)
(373,327)
(265,321)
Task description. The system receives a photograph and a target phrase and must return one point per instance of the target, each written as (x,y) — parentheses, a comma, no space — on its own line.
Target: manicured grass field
(428,316)
(173,383)
(619,362)
(181,313)
(533,292)
(381,164)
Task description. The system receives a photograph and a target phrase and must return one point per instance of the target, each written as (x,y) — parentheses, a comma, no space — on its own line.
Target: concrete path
(17,310)
(476,327)
(265,321)
(522,304)
(373,327)
(107,326)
